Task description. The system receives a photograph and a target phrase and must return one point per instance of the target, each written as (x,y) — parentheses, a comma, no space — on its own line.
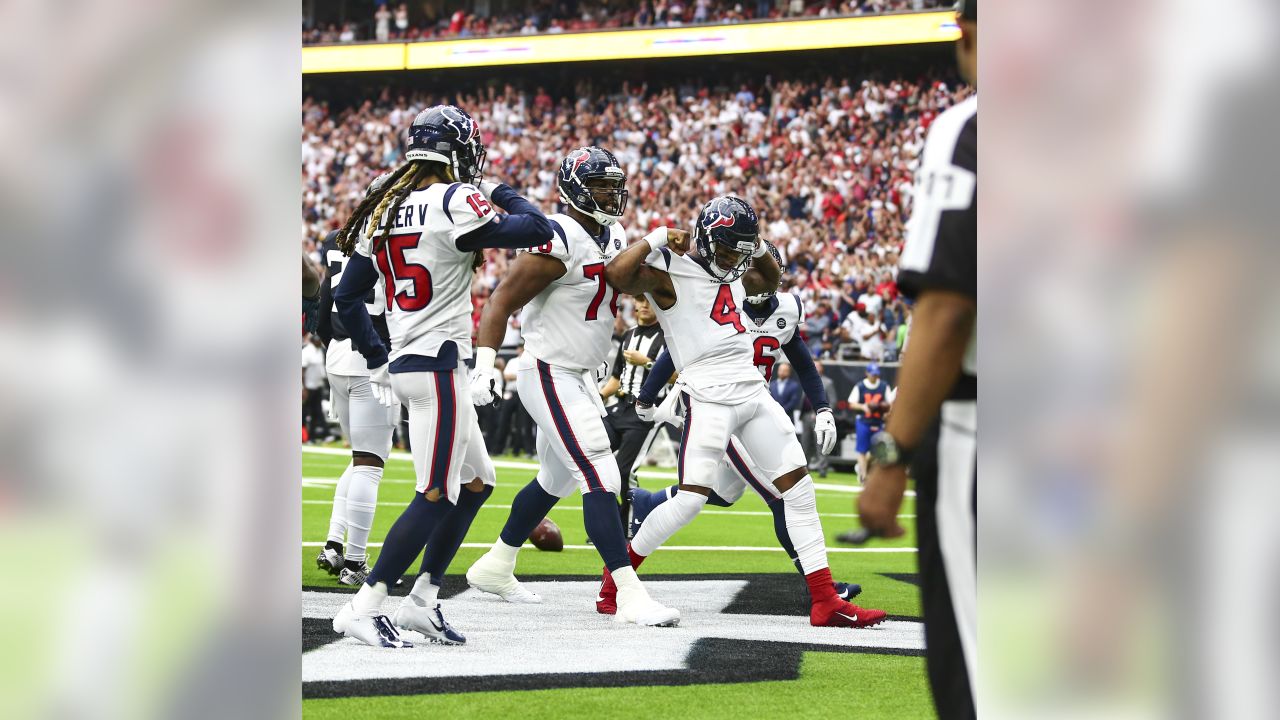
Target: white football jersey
(705,330)
(769,334)
(570,323)
(341,357)
(427,279)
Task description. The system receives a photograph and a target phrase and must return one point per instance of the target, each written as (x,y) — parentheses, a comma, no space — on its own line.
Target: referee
(640,346)
(933,424)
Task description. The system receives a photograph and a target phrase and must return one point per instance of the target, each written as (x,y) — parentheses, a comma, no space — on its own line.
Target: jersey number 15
(394,266)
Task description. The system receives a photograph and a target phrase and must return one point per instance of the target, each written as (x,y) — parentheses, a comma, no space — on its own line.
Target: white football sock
(625,577)
(368,599)
(338,517)
(424,592)
(362,503)
(803,525)
(665,520)
(504,552)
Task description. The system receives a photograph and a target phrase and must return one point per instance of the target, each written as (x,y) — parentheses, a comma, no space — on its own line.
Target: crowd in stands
(399,22)
(827,164)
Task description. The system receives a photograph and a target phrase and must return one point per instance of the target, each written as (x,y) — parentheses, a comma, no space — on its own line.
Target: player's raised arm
(479,227)
(764,275)
(629,272)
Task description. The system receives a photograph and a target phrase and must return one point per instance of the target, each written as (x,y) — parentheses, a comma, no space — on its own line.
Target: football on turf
(547,536)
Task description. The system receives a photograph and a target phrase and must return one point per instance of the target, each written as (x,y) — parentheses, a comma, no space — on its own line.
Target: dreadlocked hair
(387,198)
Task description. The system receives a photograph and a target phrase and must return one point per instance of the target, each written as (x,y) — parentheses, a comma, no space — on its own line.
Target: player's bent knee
(360,457)
(433,495)
(475,485)
(788,481)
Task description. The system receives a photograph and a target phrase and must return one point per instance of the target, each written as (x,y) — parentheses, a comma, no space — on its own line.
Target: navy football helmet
(592,183)
(777,257)
(447,134)
(725,236)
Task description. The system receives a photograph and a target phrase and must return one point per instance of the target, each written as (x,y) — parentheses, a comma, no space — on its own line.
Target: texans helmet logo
(718,220)
(464,126)
(571,163)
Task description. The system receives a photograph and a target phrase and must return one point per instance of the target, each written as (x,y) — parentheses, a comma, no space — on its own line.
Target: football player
(366,423)
(697,296)
(773,320)
(421,233)
(567,332)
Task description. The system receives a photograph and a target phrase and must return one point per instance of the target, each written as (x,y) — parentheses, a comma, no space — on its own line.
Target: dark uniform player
(933,426)
(640,347)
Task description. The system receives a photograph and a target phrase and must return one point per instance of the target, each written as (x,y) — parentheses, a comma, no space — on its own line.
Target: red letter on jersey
(724,312)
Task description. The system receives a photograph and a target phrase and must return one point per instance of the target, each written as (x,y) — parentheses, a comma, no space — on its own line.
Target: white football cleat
(375,630)
(635,605)
(428,621)
(492,575)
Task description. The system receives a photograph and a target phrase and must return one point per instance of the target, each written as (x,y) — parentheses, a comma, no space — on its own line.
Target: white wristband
(761,249)
(657,239)
(485,357)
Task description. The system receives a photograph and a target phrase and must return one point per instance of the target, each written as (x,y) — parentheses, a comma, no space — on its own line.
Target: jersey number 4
(394,267)
(595,271)
(724,311)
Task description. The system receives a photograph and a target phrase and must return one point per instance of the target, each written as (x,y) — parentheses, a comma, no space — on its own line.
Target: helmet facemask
(602,196)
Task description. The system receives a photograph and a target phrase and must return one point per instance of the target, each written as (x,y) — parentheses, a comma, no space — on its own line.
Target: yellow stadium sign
(632,44)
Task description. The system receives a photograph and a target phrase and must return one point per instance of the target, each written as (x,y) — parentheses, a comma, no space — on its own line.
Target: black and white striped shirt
(942,236)
(645,339)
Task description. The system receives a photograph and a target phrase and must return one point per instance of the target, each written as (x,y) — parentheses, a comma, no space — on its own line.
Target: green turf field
(843,682)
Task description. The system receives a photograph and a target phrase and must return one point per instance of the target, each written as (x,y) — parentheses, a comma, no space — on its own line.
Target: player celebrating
(697,297)
(367,424)
(774,318)
(567,333)
(425,226)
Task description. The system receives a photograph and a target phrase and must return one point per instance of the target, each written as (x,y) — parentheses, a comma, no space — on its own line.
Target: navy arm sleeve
(523,226)
(348,298)
(658,376)
(802,362)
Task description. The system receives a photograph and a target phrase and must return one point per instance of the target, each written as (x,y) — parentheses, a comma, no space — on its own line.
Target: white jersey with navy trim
(770,334)
(570,323)
(705,331)
(430,276)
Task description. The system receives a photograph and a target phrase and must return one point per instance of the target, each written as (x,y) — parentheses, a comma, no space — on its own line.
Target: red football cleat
(607,596)
(838,613)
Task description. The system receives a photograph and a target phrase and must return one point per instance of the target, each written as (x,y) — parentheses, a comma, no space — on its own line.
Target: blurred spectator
(382,22)
(313,379)
(787,391)
(451,19)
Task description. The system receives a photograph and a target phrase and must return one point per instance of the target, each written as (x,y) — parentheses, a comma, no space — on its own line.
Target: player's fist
(380,386)
(824,426)
(484,386)
(679,241)
(487,187)
(645,411)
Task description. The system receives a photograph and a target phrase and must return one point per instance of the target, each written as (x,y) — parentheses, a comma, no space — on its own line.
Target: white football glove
(824,425)
(645,412)
(484,379)
(486,188)
(380,384)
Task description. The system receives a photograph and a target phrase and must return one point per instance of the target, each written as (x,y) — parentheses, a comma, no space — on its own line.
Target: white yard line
(684,548)
(517,465)
(578,508)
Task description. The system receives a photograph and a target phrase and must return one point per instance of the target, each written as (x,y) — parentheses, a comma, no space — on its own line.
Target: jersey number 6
(394,267)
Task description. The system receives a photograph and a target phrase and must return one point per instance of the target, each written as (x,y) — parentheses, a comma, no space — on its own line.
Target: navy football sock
(779,510)
(604,527)
(407,537)
(714,499)
(644,504)
(449,533)
(531,505)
